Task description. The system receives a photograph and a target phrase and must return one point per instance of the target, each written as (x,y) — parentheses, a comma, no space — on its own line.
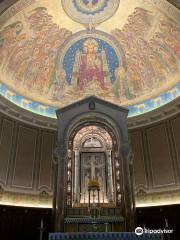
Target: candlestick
(106,224)
(93,196)
(41,229)
(41,223)
(166,221)
(167,227)
(80,197)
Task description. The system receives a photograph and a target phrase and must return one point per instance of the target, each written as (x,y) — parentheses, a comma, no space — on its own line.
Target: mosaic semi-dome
(126,52)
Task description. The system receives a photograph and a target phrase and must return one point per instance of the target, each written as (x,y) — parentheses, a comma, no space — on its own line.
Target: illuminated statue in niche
(90,66)
(93,168)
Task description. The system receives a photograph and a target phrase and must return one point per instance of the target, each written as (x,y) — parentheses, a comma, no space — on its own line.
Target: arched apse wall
(27,179)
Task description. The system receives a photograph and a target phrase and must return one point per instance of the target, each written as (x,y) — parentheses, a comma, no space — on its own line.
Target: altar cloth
(94,220)
(104,236)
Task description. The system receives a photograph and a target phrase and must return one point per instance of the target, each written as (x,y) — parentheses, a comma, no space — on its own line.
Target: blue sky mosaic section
(26,103)
(48,111)
(69,58)
(155,102)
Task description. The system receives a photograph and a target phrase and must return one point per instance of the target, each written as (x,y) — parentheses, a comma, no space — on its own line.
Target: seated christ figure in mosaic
(90,66)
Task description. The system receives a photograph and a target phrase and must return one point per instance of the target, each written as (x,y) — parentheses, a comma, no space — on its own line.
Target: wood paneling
(25,157)
(47,147)
(159,154)
(6,134)
(152,155)
(176,134)
(139,166)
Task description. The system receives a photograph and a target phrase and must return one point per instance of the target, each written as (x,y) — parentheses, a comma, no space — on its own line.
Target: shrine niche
(93,168)
(92,146)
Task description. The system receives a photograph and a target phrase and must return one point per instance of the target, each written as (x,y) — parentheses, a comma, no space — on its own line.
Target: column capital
(58,153)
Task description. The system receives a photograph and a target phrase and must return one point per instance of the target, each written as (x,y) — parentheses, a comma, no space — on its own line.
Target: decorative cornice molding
(25,116)
(167,197)
(157,115)
(20,114)
(37,200)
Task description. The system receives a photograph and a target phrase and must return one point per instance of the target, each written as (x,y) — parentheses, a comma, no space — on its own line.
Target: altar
(104,236)
(93,180)
(93,224)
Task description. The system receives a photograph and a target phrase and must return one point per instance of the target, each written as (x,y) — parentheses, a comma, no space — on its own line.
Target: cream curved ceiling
(126,52)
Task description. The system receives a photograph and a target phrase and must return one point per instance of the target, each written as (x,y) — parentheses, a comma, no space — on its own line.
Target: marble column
(60,189)
(110,179)
(76,180)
